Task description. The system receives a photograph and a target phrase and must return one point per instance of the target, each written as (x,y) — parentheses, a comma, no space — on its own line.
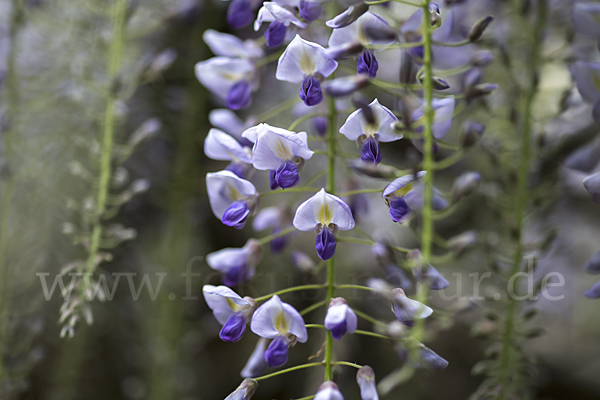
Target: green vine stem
(521,197)
(113,65)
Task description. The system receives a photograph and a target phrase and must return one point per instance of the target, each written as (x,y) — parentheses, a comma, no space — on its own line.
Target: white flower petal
(219,74)
(401,182)
(283,15)
(356,125)
(223,44)
(220,146)
(228,121)
(224,187)
(302,58)
(323,208)
(273,146)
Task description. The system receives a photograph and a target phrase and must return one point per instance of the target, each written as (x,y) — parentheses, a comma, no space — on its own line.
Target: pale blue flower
(443,112)
(407,310)
(232,198)
(244,391)
(586,18)
(366,381)
(230,310)
(230,79)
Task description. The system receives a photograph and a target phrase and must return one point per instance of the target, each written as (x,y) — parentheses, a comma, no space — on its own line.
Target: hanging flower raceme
(280,14)
(256,363)
(230,79)
(406,310)
(366,382)
(281,322)
(276,219)
(232,311)
(244,391)
(280,151)
(394,196)
(232,198)
(325,214)
(220,146)
(236,264)
(340,318)
(369,128)
(328,391)
(306,63)
(356,32)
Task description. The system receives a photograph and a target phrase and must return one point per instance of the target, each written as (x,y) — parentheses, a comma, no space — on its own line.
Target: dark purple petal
(320,125)
(367,64)
(370,153)
(236,214)
(239,14)
(234,328)
(593,292)
(399,210)
(339,330)
(273,183)
(325,244)
(310,92)
(287,175)
(309,11)
(236,276)
(275,34)
(277,352)
(238,96)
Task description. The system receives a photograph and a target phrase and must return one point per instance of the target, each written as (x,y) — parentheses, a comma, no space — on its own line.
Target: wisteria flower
(280,14)
(366,382)
(236,264)
(340,318)
(256,363)
(356,33)
(280,151)
(230,79)
(417,355)
(307,63)
(587,78)
(593,292)
(328,391)
(232,311)
(443,112)
(276,219)
(224,44)
(407,310)
(244,391)
(325,214)
(394,196)
(232,198)
(586,18)
(220,146)
(369,130)
(281,322)
(347,17)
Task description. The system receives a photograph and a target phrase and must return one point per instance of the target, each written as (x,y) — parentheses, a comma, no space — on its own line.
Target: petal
(355,32)
(219,74)
(256,363)
(356,125)
(585,19)
(219,299)
(303,58)
(220,146)
(228,259)
(224,187)
(587,78)
(401,182)
(276,354)
(267,218)
(296,325)
(223,44)
(263,16)
(325,209)
(283,15)
(273,146)
(227,121)
(263,319)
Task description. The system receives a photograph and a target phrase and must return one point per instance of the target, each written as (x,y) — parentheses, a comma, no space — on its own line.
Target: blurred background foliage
(53,74)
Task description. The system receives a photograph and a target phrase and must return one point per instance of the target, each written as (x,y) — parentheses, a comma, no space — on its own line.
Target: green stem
(359,191)
(268,59)
(285,371)
(113,65)
(313,307)
(373,334)
(289,290)
(521,200)
(349,364)
(358,287)
(315,326)
(368,318)
(449,161)
(331,139)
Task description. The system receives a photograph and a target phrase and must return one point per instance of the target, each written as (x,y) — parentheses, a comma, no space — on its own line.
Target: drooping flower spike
(276,219)
(280,151)
(244,391)
(256,363)
(340,318)
(356,33)
(232,311)
(306,63)
(232,199)
(328,391)
(369,130)
(224,44)
(366,382)
(236,264)
(230,79)
(281,322)
(394,196)
(325,214)
(220,146)
(406,310)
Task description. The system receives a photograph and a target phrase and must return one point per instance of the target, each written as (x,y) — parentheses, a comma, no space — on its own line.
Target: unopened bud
(435,17)
(349,16)
(479,27)
(302,261)
(482,59)
(464,185)
(244,391)
(593,264)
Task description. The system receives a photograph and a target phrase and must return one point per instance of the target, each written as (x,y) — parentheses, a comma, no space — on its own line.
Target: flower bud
(471,133)
(244,391)
(479,27)
(593,264)
(435,17)
(349,16)
(340,318)
(366,381)
(482,59)
(461,243)
(464,185)
(328,391)
(593,292)
(407,310)
(592,184)
(345,86)
(373,171)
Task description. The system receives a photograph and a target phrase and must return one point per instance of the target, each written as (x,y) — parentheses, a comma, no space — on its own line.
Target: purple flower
(236,214)
(229,79)
(585,18)
(286,175)
(356,32)
(399,210)
(407,310)
(592,265)
(239,14)
(232,199)
(395,195)
(275,34)
(430,276)
(367,64)
(236,264)
(230,310)
(325,243)
(340,318)
(320,125)
(238,96)
(256,363)
(279,321)
(593,292)
(280,11)
(370,153)
(310,91)
(366,381)
(443,112)
(224,44)
(419,356)
(309,11)
(220,146)
(348,16)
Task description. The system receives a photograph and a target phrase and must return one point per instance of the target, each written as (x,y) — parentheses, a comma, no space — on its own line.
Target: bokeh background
(52,76)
